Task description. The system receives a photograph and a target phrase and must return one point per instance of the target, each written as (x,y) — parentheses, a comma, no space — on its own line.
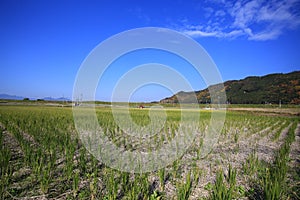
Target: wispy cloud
(254,19)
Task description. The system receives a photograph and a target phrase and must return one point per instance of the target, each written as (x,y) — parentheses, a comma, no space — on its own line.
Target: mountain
(56,99)
(12,97)
(271,88)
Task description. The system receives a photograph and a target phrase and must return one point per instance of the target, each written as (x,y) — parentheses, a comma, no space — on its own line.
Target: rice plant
(225,186)
(184,188)
(162,176)
(251,164)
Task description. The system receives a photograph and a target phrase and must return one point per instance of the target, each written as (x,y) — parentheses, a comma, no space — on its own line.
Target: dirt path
(295,149)
(270,111)
(266,147)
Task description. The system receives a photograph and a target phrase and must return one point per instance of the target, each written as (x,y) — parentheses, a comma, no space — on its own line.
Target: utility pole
(280,103)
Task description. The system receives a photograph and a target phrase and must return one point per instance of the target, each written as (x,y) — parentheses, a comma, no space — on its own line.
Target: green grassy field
(256,157)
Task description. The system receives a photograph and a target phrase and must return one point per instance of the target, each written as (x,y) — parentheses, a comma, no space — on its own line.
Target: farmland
(42,157)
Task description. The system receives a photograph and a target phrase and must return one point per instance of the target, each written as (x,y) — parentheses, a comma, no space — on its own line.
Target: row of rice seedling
(273,181)
(5,168)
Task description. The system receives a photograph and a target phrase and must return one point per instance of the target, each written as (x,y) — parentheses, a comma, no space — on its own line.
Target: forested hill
(271,88)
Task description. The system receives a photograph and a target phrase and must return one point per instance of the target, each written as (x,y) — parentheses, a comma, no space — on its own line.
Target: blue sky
(43,43)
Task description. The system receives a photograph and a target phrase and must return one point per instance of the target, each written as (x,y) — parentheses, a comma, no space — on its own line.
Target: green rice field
(42,157)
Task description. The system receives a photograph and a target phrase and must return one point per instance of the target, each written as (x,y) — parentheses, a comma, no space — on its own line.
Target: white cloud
(244,14)
(198,33)
(267,35)
(218,34)
(208,11)
(220,13)
(254,19)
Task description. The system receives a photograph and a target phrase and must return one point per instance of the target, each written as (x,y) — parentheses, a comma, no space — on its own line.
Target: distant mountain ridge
(11,97)
(271,88)
(15,97)
(56,99)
